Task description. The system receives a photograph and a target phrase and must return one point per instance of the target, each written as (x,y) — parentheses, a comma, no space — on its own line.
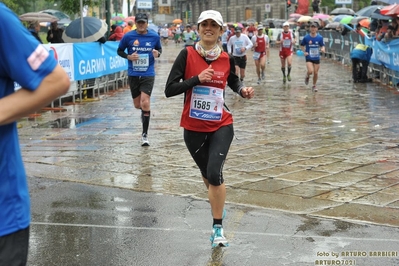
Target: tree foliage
(73,6)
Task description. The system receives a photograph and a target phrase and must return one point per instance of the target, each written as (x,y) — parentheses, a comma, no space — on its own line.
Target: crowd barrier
(384,63)
(92,68)
(96,68)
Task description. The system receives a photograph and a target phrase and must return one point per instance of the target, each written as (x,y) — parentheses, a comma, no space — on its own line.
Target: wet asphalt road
(308,175)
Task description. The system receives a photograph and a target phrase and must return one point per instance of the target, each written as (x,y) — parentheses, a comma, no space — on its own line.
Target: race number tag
(256,55)
(206,103)
(287,43)
(142,63)
(314,52)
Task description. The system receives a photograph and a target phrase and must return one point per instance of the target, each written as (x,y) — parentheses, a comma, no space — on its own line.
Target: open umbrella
(338,18)
(304,19)
(93,29)
(390,2)
(377,15)
(366,11)
(394,11)
(177,21)
(364,23)
(131,18)
(346,20)
(342,11)
(295,15)
(38,16)
(321,16)
(356,20)
(332,25)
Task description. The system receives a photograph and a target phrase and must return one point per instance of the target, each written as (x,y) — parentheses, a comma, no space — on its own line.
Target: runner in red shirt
(286,40)
(261,44)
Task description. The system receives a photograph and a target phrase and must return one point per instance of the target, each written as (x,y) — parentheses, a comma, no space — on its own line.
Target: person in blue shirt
(312,44)
(360,57)
(42,80)
(142,46)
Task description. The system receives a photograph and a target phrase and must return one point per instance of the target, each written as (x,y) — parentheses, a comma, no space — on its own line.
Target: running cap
(286,24)
(313,24)
(237,29)
(141,17)
(211,14)
(260,27)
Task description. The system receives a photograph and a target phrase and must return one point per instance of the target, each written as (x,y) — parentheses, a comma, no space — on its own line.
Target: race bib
(256,55)
(206,103)
(287,43)
(314,52)
(142,63)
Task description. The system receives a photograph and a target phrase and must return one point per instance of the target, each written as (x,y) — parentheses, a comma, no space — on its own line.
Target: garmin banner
(92,60)
(386,54)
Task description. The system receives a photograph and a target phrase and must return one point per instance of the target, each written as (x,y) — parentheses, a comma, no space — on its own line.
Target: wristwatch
(159,53)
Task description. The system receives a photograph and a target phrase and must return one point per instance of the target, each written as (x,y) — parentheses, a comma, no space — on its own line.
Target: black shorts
(240,61)
(141,84)
(209,151)
(14,248)
(316,62)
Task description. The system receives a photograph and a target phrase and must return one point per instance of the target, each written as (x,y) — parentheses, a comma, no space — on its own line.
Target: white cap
(286,24)
(260,27)
(211,14)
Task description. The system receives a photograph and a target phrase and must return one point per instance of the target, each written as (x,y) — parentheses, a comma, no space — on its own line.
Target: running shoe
(223,215)
(217,238)
(263,75)
(259,81)
(289,78)
(314,88)
(307,80)
(144,140)
(284,79)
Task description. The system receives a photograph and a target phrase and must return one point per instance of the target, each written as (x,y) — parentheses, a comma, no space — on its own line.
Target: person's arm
(24,102)
(48,36)
(174,85)
(233,81)
(249,43)
(278,41)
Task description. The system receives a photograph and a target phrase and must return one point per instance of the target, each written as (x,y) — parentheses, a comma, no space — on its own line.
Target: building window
(164,2)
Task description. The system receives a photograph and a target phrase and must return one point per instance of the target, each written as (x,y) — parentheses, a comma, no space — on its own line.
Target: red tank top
(206,112)
(261,41)
(286,41)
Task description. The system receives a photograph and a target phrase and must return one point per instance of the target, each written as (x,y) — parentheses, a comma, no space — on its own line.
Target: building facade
(231,10)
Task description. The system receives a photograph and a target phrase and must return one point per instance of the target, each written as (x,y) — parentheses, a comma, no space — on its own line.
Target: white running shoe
(144,140)
(217,237)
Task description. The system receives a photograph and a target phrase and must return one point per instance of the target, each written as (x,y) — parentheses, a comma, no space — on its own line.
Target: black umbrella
(342,11)
(367,11)
(93,30)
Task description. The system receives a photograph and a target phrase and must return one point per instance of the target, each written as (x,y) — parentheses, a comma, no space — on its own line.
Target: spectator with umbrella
(117,34)
(34,28)
(54,34)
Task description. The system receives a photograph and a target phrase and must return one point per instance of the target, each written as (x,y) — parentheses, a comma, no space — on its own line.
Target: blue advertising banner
(386,54)
(92,60)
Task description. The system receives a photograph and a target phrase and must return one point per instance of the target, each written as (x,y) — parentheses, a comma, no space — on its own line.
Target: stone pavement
(331,154)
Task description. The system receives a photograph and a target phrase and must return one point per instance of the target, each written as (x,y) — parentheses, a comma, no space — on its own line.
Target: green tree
(73,6)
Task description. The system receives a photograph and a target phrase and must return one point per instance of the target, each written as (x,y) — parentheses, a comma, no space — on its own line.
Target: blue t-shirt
(312,46)
(143,44)
(23,60)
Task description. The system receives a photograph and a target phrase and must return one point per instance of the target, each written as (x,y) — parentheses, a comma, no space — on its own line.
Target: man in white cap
(286,40)
(261,45)
(241,44)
